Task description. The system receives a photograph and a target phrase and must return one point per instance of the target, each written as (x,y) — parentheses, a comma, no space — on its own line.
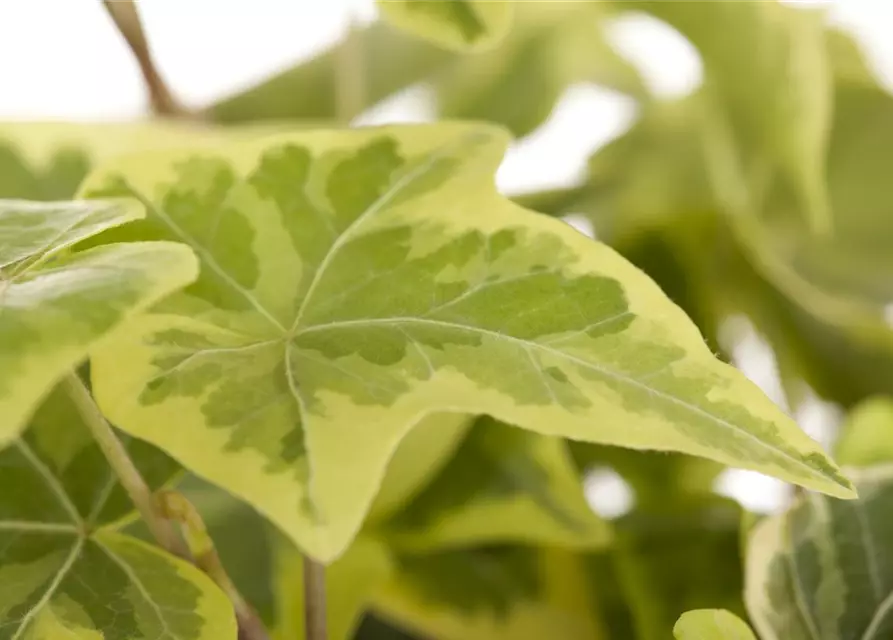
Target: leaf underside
(502,485)
(354,282)
(491,593)
(824,569)
(64,571)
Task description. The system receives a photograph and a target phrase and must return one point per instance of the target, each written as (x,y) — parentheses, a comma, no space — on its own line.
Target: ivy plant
(268,374)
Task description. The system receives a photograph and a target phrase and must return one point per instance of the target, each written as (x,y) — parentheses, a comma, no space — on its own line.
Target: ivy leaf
(56,305)
(354,282)
(47,161)
(308,90)
(711,624)
(351,583)
(681,555)
(64,571)
(865,436)
(492,593)
(773,102)
(244,540)
(824,569)
(420,457)
(551,46)
(464,25)
(502,485)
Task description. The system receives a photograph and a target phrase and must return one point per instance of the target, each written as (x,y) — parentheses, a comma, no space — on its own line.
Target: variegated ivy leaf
(454,24)
(711,624)
(503,484)
(824,569)
(48,160)
(353,282)
(64,571)
(492,593)
(56,305)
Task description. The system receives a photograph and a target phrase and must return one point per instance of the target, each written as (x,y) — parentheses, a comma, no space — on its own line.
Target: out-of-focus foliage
(372,323)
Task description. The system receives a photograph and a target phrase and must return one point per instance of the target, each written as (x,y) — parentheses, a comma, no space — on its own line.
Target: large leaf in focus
(502,485)
(492,593)
(824,569)
(675,557)
(63,572)
(866,437)
(419,458)
(456,24)
(552,46)
(56,305)
(766,68)
(711,624)
(351,584)
(354,282)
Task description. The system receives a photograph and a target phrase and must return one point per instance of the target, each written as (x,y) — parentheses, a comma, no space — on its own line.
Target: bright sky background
(63,60)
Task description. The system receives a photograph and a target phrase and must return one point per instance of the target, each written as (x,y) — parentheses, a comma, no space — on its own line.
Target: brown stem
(126,17)
(315,600)
(178,508)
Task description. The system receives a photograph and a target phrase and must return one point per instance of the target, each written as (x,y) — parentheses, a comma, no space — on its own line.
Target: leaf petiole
(127,473)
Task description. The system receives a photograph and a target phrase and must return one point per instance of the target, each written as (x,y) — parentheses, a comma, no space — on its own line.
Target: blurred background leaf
(464,25)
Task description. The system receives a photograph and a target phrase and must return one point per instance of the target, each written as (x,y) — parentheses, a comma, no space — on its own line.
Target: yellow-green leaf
(64,573)
(56,305)
(766,68)
(492,593)
(421,456)
(676,556)
(502,485)
(517,83)
(351,584)
(48,160)
(824,569)
(866,437)
(712,624)
(394,60)
(464,25)
(353,282)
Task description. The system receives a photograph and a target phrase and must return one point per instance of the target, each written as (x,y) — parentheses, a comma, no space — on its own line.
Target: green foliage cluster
(238,350)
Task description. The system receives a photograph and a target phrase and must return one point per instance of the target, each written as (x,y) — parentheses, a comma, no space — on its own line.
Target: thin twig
(126,17)
(178,508)
(315,600)
(120,462)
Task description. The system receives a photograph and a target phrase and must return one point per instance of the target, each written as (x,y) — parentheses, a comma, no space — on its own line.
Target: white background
(63,60)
